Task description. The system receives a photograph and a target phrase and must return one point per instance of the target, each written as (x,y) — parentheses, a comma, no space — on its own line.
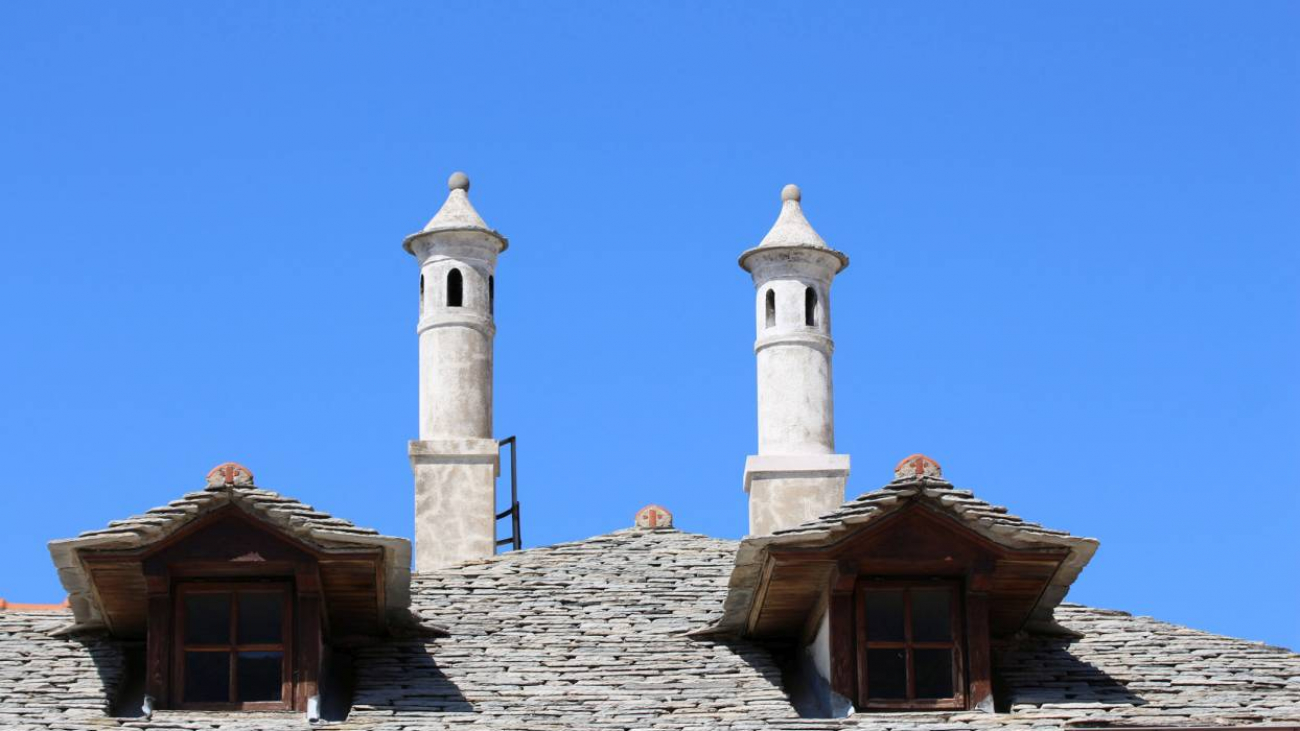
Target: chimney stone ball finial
(230,474)
(458,181)
(917,466)
(791,192)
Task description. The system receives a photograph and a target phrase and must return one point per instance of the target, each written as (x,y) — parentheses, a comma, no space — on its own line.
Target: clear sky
(1073,232)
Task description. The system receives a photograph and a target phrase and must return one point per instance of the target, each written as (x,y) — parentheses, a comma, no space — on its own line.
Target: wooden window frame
(957,644)
(233,648)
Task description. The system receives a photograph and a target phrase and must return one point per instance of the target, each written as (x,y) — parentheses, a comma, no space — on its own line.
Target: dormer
(239,594)
(894,601)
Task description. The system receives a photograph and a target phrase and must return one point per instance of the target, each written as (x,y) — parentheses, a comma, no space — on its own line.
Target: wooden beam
(977,651)
(844,652)
(309,648)
(157,647)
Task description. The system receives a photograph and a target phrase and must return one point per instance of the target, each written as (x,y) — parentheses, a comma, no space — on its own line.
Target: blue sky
(1073,232)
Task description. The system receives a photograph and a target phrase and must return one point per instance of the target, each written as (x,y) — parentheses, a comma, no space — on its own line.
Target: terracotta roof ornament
(917,466)
(654,516)
(230,474)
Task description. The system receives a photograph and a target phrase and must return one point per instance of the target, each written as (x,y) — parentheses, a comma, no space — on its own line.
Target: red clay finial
(230,474)
(653,516)
(917,465)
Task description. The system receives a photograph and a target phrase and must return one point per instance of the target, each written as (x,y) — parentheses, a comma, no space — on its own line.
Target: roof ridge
(558,547)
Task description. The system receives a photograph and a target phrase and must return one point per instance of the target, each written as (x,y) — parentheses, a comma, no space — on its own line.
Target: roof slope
(314,527)
(576,635)
(589,635)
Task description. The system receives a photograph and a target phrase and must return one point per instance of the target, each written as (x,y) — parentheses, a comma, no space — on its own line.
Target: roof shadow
(403,676)
(1044,670)
(120,668)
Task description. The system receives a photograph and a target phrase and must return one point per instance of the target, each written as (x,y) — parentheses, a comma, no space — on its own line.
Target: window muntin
(233,645)
(910,651)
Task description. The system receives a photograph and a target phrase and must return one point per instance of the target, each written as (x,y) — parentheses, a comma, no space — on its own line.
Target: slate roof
(994,522)
(591,635)
(302,521)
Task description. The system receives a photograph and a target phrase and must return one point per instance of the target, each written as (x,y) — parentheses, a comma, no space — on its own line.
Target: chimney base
(786,490)
(455,500)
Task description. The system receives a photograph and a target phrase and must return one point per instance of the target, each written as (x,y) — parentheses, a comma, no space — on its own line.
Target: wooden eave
(915,540)
(350,580)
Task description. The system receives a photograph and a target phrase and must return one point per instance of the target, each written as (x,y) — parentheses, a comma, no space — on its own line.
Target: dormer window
(909,644)
(234,648)
(239,594)
(897,598)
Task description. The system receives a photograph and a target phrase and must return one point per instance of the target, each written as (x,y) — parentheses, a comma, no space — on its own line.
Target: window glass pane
(933,673)
(886,674)
(259,676)
(207,619)
(884,614)
(259,617)
(931,615)
(207,677)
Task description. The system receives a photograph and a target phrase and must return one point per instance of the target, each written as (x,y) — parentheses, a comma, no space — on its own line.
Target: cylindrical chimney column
(796,474)
(455,459)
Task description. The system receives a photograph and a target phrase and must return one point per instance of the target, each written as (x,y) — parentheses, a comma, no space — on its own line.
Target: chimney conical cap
(457,214)
(792,230)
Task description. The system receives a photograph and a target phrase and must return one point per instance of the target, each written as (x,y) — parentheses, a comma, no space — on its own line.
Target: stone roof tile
(591,635)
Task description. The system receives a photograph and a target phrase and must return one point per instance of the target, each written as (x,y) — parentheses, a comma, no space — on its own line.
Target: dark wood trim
(860,650)
(309,648)
(843,654)
(157,645)
(765,581)
(979,657)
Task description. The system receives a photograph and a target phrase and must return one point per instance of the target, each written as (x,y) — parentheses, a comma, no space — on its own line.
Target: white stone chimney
(796,474)
(455,460)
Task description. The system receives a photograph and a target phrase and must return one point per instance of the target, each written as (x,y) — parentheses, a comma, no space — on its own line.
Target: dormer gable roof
(230,488)
(928,497)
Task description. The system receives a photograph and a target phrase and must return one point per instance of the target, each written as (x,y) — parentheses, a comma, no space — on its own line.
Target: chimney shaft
(455,460)
(796,475)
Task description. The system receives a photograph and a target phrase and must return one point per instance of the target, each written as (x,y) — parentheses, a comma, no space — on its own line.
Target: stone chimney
(455,460)
(796,474)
